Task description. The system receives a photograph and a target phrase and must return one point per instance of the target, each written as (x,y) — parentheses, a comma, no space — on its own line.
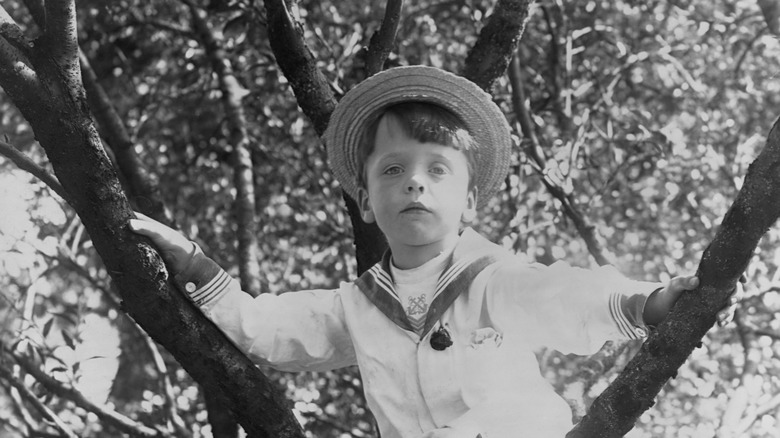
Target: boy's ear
(366,213)
(470,213)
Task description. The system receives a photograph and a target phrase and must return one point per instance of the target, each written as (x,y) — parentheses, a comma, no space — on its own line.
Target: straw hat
(482,118)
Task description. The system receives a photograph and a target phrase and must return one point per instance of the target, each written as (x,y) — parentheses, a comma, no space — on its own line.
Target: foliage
(648,114)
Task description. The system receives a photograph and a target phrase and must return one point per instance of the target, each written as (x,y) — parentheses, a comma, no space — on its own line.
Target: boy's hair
(426,123)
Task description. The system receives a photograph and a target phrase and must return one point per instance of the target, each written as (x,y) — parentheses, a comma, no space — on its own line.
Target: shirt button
(190,287)
(640,332)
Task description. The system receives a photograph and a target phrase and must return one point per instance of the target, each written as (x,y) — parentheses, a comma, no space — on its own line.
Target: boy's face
(416,192)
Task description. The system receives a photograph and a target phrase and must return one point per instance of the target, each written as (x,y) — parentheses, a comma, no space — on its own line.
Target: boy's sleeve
(570,309)
(296,331)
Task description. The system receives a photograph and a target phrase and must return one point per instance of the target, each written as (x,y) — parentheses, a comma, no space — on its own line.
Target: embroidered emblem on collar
(417,306)
(472,254)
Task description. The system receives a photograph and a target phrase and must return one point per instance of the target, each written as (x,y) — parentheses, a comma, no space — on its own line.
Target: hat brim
(481,116)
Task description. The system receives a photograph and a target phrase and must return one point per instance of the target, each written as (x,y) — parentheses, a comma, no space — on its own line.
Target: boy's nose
(415,184)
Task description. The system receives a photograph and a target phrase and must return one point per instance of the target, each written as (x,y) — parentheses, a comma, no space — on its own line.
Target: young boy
(444,328)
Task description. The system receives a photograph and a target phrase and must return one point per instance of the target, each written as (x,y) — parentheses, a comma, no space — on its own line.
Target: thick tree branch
(755,209)
(316,99)
(63,126)
(299,66)
(26,164)
(61,39)
(497,41)
(381,43)
(142,185)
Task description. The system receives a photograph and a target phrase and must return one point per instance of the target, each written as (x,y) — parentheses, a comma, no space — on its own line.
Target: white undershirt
(415,288)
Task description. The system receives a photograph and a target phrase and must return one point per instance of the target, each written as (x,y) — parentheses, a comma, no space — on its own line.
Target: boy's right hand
(175,249)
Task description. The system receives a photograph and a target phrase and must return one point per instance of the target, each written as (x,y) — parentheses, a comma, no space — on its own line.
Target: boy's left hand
(660,303)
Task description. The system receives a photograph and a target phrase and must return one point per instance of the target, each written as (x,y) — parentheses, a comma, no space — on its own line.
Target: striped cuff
(627,313)
(202,280)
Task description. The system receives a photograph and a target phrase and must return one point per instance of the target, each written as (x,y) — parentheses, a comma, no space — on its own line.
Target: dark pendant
(440,339)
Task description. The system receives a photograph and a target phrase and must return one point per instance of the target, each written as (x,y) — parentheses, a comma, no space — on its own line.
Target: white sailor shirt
(496,309)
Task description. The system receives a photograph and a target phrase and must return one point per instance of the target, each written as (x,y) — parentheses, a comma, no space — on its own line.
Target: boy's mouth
(415,207)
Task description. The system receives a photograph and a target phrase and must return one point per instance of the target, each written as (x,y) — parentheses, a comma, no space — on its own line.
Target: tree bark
(47,89)
(755,209)
(299,66)
(317,101)
(497,42)
(142,185)
(381,43)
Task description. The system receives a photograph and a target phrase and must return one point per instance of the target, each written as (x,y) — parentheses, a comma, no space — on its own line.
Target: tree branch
(63,126)
(241,156)
(16,70)
(755,209)
(316,99)
(11,32)
(381,43)
(497,41)
(114,301)
(534,150)
(67,392)
(142,185)
(7,374)
(61,39)
(25,163)
(299,65)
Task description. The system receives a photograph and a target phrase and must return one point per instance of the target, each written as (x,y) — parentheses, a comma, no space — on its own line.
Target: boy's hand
(660,302)
(174,248)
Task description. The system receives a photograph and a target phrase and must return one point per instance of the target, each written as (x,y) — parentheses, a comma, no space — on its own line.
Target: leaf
(68,339)
(47,327)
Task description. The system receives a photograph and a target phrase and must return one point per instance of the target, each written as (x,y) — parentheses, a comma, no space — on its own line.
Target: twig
(25,163)
(159,362)
(31,398)
(67,392)
(585,228)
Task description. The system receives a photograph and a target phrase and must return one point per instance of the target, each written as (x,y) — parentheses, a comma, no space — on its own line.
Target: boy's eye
(438,170)
(393,170)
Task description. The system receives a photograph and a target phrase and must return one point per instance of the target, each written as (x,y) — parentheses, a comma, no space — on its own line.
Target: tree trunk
(44,82)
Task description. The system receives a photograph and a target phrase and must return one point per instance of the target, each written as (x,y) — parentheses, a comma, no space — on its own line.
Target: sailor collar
(471,255)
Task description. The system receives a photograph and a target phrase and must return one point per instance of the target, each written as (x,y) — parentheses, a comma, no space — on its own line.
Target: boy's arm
(292,332)
(576,310)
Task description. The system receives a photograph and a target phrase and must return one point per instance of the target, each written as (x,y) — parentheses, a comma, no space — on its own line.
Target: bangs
(428,123)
